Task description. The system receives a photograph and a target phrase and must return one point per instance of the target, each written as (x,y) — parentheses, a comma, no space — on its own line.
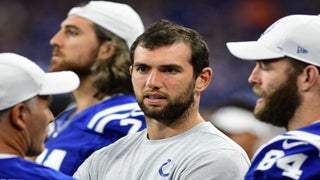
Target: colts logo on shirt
(166,168)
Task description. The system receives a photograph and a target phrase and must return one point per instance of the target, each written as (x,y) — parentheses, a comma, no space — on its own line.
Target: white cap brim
(59,82)
(252,50)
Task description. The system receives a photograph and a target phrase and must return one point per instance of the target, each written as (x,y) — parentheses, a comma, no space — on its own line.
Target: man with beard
(94,42)
(287,78)
(169,72)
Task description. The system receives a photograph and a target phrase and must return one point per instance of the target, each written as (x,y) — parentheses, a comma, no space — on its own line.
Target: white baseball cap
(118,18)
(295,36)
(22,79)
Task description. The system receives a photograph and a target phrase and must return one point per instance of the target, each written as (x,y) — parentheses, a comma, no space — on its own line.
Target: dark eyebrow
(139,64)
(70,26)
(175,66)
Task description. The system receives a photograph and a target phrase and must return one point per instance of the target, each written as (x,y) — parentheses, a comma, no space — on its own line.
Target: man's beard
(281,105)
(72,65)
(172,112)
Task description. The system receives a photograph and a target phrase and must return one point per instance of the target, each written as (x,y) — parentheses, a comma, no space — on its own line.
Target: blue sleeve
(96,127)
(286,158)
(113,126)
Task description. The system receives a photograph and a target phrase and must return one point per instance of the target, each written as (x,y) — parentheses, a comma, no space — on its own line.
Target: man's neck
(157,130)
(84,95)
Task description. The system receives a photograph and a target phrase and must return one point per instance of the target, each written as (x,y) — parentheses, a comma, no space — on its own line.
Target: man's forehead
(171,54)
(76,21)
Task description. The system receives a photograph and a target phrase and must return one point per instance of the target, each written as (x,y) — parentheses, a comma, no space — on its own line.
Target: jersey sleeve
(287,156)
(118,122)
(92,129)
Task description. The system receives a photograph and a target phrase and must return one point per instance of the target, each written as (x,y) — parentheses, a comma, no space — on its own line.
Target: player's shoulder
(301,137)
(119,112)
(309,135)
(21,168)
(293,154)
(48,173)
(291,143)
(125,144)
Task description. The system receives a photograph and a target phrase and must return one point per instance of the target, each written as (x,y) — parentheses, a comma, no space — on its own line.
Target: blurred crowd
(26,27)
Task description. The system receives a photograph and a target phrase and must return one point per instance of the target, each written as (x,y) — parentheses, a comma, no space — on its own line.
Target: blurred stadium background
(26,27)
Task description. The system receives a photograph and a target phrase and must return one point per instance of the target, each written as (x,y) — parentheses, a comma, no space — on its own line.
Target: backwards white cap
(295,36)
(21,79)
(118,18)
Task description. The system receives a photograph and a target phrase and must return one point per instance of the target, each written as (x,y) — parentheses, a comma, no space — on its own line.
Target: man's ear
(204,79)
(310,76)
(106,50)
(18,116)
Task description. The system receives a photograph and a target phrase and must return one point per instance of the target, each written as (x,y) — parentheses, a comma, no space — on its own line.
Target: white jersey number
(289,164)
(54,159)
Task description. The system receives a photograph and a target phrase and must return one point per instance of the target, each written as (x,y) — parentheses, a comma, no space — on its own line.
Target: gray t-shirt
(202,152)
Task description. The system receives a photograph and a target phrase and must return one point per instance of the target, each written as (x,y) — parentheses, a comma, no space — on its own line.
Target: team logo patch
(166,168)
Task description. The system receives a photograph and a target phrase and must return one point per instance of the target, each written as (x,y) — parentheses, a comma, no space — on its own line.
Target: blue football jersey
(73,140)
(293,155)
(20,168)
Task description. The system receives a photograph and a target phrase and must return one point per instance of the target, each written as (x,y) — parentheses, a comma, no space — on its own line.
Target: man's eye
(265,67)
(170,70)
(141,69)
(72,33)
